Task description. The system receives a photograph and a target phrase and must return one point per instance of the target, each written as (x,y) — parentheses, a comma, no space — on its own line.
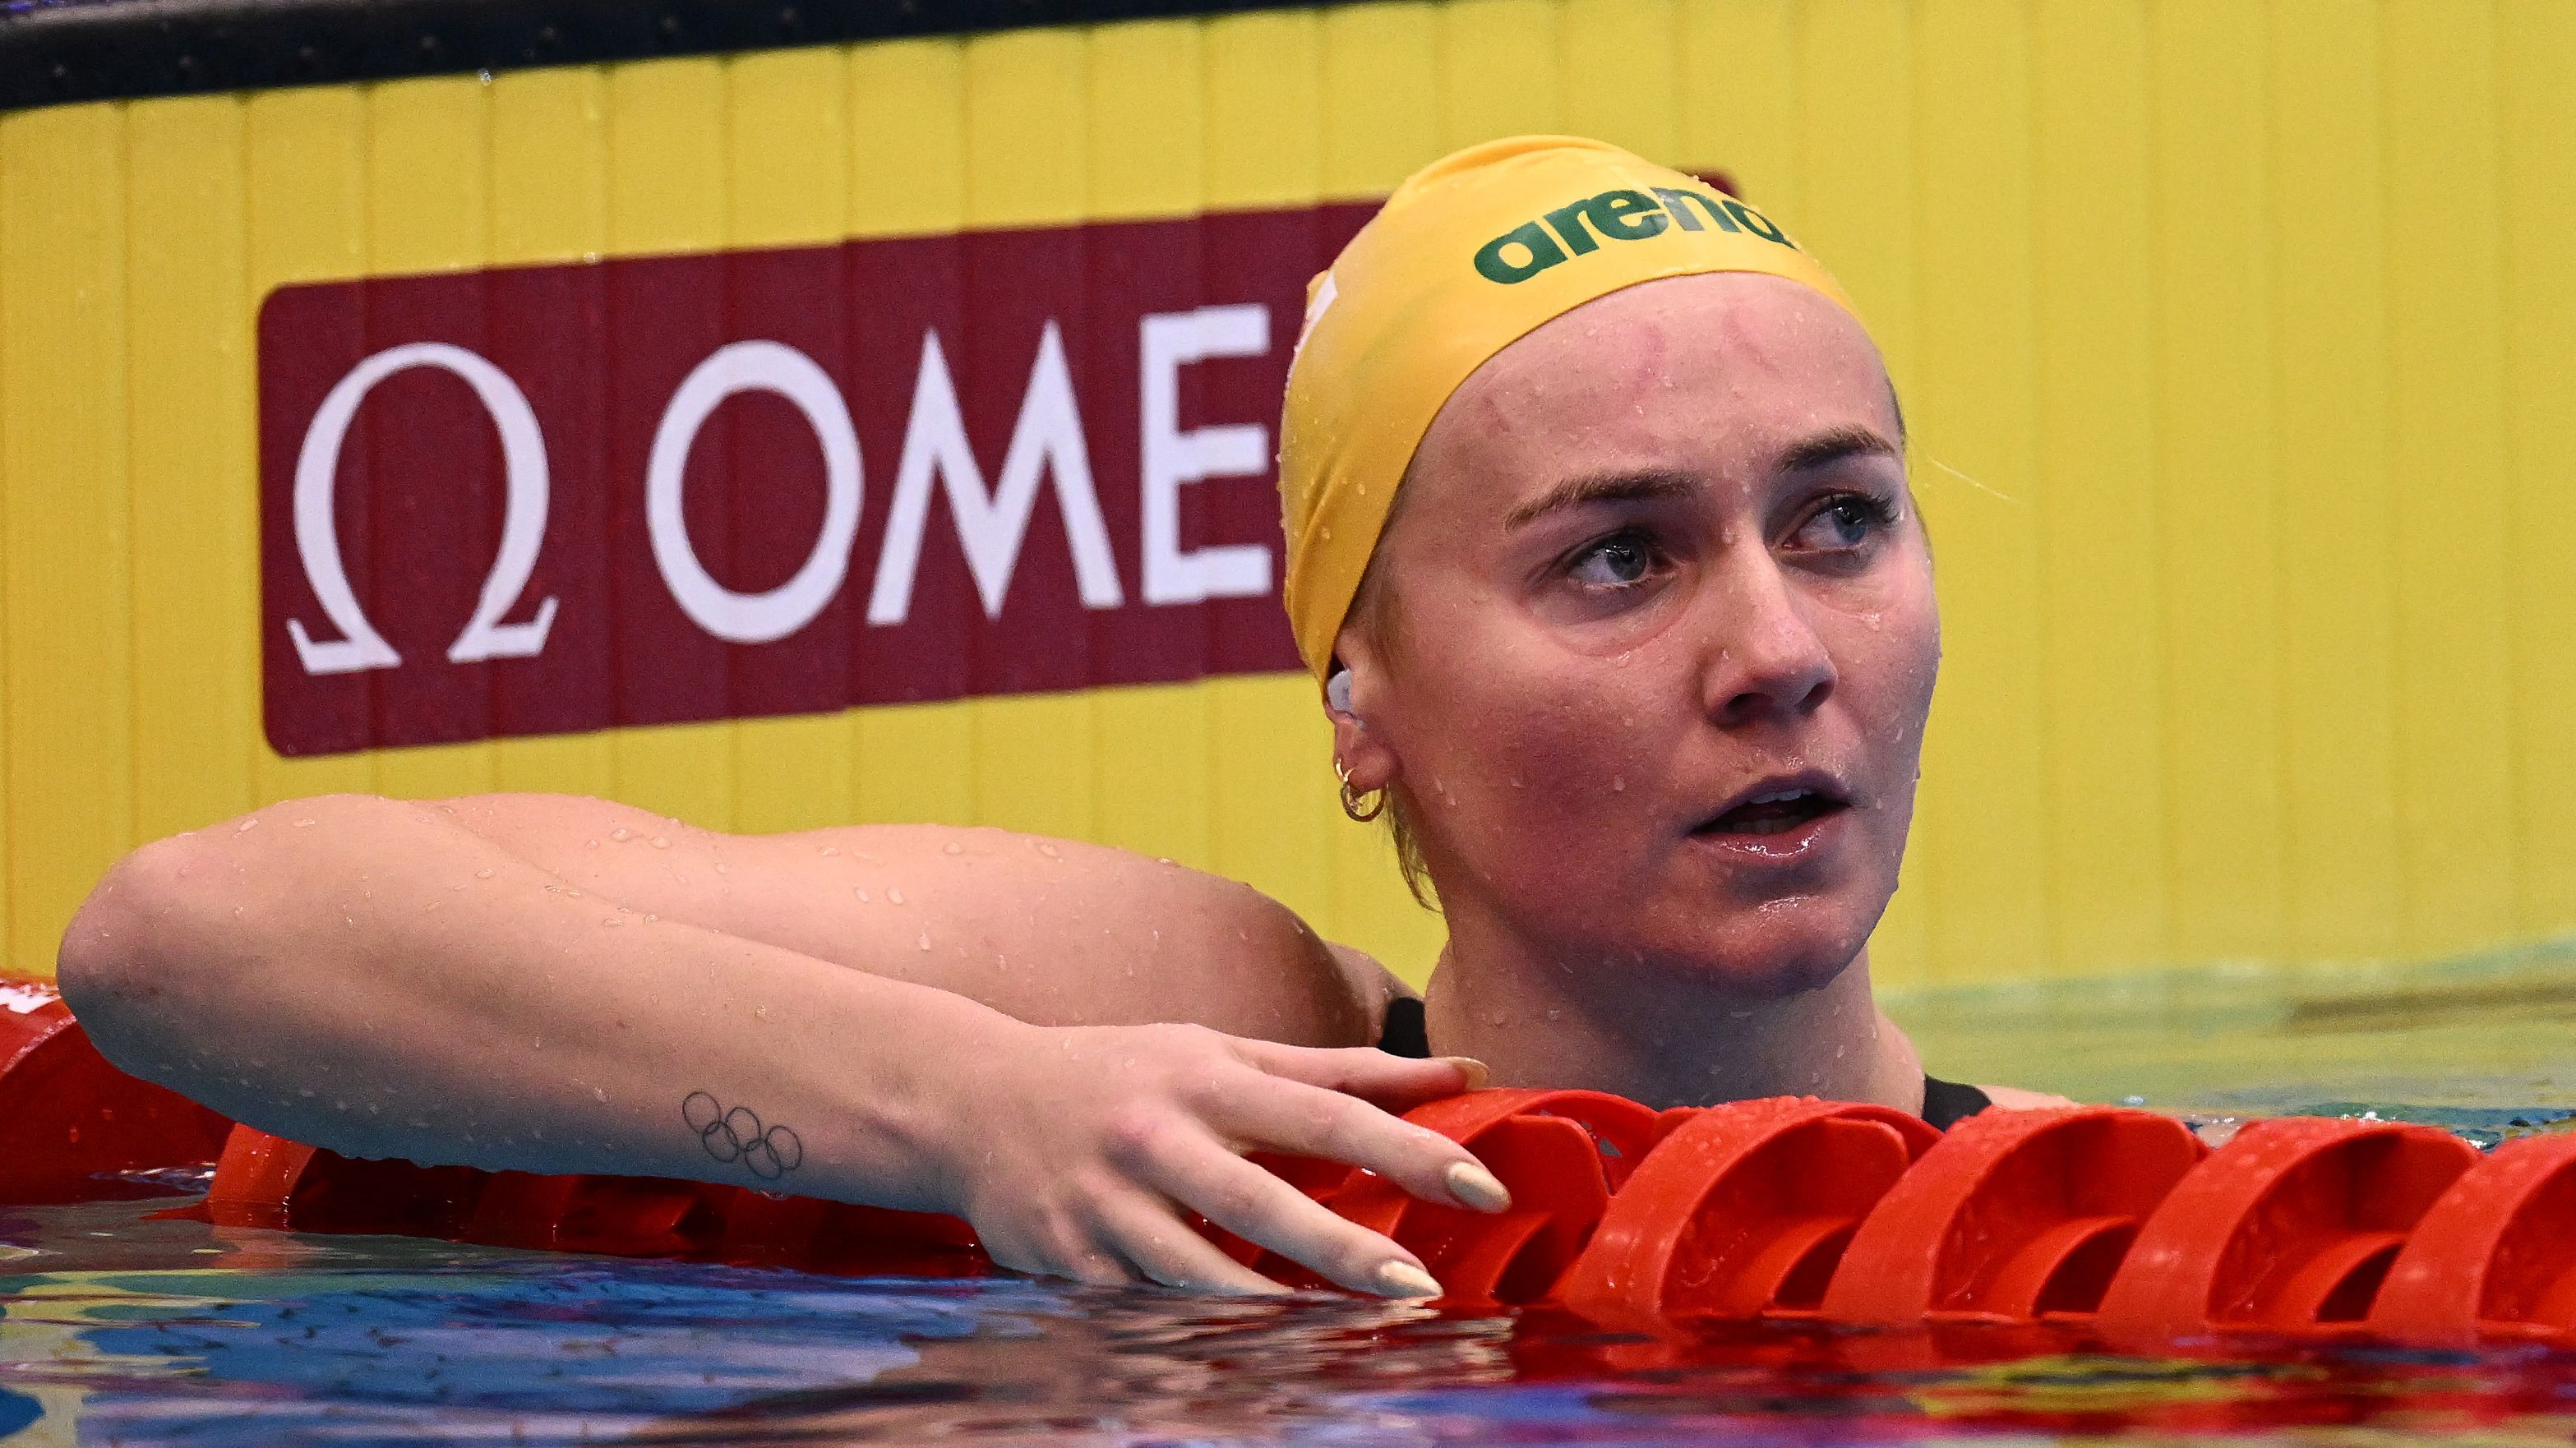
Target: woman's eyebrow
(1832,446)
(1631,487)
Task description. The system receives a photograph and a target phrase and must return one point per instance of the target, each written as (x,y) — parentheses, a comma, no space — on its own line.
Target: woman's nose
(1766,661)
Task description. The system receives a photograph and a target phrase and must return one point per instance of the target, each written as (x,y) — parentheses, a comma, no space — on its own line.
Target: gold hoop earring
(1361,806)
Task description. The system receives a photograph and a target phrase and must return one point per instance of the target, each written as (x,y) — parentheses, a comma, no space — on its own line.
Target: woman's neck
(1666,1040)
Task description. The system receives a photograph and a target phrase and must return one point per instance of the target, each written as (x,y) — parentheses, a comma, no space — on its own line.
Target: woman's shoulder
(1390,1008)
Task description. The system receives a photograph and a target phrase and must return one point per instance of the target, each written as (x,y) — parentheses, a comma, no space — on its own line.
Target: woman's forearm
(367,976)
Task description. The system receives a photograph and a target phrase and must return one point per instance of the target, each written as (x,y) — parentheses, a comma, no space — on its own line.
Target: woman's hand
(1074,1151)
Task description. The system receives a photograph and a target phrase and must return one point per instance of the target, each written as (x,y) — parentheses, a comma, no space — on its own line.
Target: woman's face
(1657,636)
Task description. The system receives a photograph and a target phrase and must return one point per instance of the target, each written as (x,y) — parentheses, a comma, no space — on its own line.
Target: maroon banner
(542,499)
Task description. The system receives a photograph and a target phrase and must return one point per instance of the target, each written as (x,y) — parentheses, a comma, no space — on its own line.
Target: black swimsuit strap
(1945,1103)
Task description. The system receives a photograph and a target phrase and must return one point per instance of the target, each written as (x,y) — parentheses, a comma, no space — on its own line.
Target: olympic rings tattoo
(737,1135)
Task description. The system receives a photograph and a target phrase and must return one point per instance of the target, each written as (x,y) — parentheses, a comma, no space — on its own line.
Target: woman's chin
(1786,948)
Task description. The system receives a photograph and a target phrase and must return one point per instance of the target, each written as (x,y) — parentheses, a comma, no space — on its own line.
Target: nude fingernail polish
(1476,1187)
(1403,1279)
(1474,1069)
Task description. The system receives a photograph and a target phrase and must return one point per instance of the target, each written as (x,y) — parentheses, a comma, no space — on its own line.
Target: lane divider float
(73,1122)
(2114,1222)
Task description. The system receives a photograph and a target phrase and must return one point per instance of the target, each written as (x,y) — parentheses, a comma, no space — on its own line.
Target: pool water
(128,1324)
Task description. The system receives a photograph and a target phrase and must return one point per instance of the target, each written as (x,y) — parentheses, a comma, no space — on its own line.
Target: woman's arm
(1052,932)
(386,980)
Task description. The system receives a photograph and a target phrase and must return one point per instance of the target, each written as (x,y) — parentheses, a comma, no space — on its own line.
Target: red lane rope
(2112,1220)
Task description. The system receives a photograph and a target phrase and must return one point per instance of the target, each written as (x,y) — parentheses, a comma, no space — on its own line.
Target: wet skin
(1654,560)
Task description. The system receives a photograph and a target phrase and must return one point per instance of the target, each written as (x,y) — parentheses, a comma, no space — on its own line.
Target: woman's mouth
(1777,823)
(1775,812)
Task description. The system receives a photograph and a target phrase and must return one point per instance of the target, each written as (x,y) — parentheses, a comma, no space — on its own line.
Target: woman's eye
(1845,522)
(1618,561)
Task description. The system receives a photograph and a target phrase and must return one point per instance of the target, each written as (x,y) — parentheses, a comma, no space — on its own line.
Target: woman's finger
(1260,1208)
(1398,1083)
(1304,1120)
(1164,1249)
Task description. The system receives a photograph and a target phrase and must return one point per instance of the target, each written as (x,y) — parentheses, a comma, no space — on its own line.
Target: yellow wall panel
(2233,336)
(1623,75)
(2454,726)
(2536,52)
(63,531)
(1739,96)
(2217,529)
(1981,819)
(1499,70)
(2331,469)
(2096,488)
(1381,89)
(191,457)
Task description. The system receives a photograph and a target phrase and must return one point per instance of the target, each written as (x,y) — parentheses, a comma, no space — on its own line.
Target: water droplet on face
(1048,850)
(299,824)
(612,920)
(895,896)
(590,844)
(621,834)
(863,897)
(660,843)
(925,940)
(952,848)
(250,823)
(831,849)
(1618,782)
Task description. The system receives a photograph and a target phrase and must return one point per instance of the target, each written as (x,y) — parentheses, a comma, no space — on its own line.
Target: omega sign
(554,498)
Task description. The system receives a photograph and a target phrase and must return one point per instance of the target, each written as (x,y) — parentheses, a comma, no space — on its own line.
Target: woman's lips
(1775,828)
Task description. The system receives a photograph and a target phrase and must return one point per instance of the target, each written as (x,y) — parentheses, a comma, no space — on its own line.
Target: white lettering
(754,618)
(991,525)
(523,521)
(1169,341)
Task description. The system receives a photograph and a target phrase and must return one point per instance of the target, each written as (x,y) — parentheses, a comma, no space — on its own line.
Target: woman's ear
(1352,686)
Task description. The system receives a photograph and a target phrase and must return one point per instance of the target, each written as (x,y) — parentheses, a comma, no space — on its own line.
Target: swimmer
(1603,557)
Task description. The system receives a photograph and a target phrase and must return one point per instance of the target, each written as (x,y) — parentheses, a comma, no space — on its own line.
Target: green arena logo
(1528,249)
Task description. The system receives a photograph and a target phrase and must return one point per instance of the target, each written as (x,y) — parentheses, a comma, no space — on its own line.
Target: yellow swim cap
(1470,253)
